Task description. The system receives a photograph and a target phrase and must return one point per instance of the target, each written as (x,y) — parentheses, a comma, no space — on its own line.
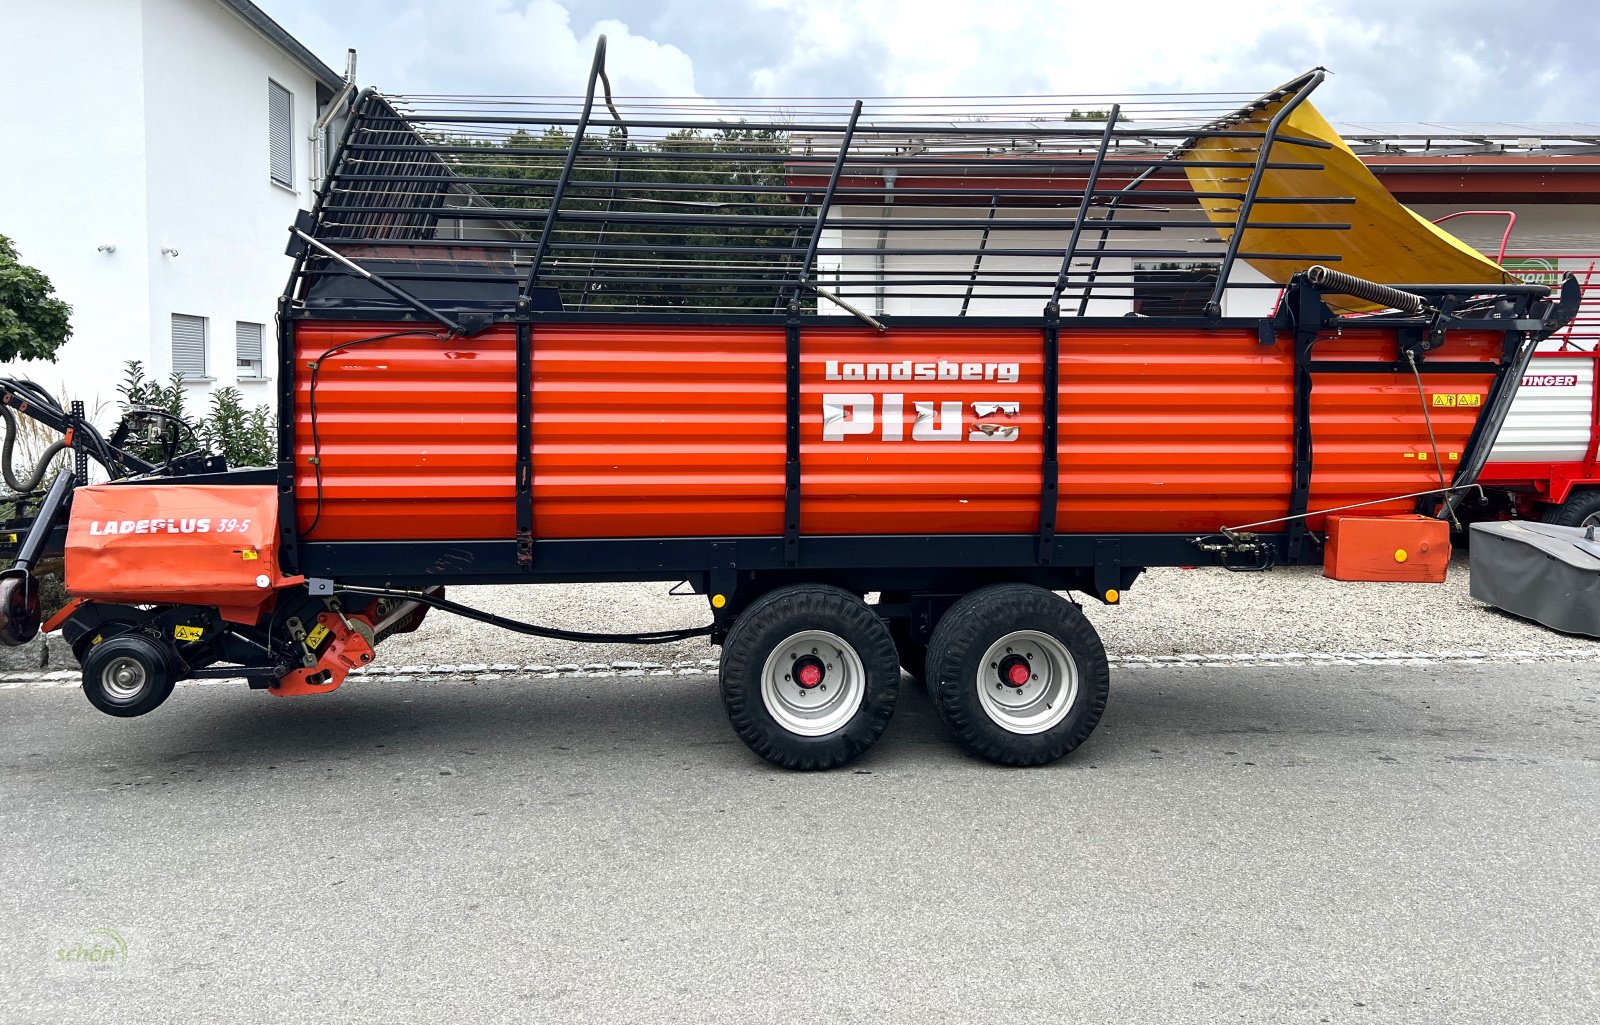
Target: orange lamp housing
(1404,549)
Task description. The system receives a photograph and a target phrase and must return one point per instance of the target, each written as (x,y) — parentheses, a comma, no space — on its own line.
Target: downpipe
(319,130)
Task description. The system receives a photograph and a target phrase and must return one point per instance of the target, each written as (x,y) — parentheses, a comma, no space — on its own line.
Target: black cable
(316,440)
(551,633)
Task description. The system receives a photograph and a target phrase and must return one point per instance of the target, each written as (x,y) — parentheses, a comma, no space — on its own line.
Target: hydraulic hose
(34,478)
(531,629)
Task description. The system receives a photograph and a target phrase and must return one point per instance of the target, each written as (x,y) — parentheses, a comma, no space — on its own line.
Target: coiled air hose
(1346,284)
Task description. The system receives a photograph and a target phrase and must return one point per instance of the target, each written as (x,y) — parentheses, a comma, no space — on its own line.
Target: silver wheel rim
(1591,520)
(825,706)
(1041,702)
(123,679)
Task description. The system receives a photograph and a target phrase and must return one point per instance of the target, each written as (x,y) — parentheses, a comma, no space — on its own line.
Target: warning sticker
(1469,399)
(316,635)
(187,633)
(1444,400)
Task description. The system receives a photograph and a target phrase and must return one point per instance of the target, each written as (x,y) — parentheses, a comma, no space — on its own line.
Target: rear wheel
(809,677)
(1581,509)
(1017,674)
(128,675)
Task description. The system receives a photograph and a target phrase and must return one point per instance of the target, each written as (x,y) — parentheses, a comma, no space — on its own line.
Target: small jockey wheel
(128,675)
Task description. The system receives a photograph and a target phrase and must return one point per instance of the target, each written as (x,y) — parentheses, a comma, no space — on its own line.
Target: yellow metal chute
(1386,242)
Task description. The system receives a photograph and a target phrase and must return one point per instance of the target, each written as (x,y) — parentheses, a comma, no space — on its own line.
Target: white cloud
(483,46)
(1417,60)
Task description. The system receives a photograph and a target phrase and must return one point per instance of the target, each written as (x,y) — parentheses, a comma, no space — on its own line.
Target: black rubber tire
(20,614)
(1579,506)
(157,663)
(765,624)
(966,632)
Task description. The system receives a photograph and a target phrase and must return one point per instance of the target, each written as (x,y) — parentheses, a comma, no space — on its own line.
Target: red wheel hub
(808,674)
(1015,671)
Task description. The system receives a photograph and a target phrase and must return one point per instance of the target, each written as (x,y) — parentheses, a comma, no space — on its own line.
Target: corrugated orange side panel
(881,455)
(416,438)
(1369,432)
(1173,430)
(662,431)
(657,431)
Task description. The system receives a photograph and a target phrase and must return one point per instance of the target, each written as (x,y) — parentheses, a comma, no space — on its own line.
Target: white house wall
(861,269)
(146,129)
(71,98)
(210,194)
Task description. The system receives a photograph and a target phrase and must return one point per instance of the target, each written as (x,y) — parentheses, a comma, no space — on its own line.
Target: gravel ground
(1168,612)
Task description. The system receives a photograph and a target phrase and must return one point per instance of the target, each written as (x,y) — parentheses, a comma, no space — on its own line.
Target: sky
(1391,60)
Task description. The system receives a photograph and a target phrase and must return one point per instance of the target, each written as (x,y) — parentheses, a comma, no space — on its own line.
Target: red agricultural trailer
(1547,454)
(797,357)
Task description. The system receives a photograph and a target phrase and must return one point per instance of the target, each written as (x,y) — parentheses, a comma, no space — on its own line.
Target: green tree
(689,171)
(33,322)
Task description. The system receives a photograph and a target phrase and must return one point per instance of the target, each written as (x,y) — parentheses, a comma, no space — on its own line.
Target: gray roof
(289,44)
(1471,137)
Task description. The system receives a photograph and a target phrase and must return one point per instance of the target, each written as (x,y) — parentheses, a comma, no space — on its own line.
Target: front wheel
(1018,674)
(128,675)
(809,677)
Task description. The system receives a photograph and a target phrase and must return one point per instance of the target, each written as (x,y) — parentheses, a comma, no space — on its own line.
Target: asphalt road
(1336,844)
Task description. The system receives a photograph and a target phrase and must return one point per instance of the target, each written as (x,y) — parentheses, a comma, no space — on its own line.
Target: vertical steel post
(1089,187)
(560,192)
(977,259)
(827,201)
(1247,201)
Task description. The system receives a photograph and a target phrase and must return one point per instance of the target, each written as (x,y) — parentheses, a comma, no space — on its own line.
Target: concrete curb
(473,673)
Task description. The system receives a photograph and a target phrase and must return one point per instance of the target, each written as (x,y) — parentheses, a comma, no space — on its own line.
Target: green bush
(245,437)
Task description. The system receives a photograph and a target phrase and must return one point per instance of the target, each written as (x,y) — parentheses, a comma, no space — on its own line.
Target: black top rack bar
(727,208)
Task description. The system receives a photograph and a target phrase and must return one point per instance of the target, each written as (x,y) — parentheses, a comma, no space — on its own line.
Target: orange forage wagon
(955,362)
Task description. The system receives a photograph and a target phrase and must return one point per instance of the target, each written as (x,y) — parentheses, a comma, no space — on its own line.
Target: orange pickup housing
(177,543)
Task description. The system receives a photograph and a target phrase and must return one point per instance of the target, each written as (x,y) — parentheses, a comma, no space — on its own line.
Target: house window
(189,347)
(280,134)
(248,339)
(1173,288)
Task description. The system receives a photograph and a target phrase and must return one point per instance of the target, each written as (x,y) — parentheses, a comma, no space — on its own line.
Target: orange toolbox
(1408,549)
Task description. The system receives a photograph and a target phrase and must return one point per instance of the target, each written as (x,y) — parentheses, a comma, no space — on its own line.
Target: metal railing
(1582,334)
(736,206)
